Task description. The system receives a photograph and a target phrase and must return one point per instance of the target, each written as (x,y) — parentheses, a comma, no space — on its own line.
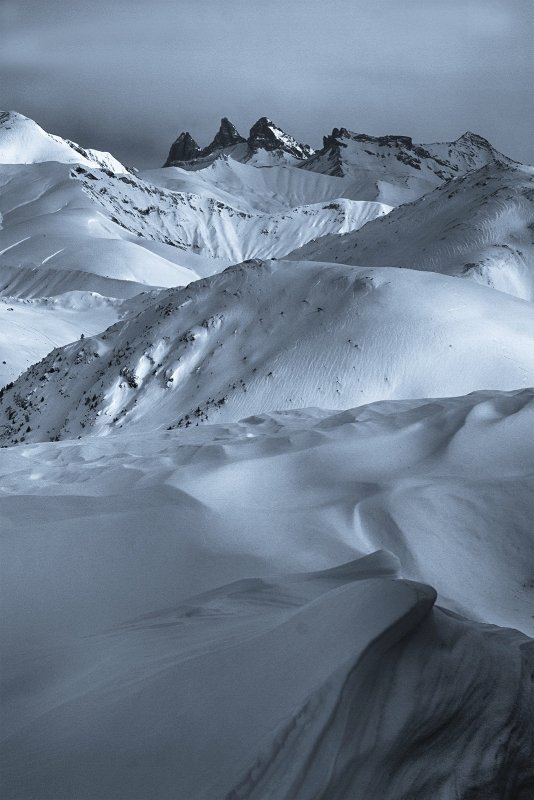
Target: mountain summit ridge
(392,168)
(263,135)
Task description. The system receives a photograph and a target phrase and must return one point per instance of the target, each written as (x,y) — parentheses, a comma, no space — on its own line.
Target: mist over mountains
(266,461)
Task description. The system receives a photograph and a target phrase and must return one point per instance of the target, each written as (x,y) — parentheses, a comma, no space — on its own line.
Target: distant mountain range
(392,169)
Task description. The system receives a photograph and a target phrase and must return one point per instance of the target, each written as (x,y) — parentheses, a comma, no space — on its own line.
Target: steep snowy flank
(265,135)
(213,229)
(125,228)
(394,170)
(22,141)
(267,189)
(480,226)
(268,335)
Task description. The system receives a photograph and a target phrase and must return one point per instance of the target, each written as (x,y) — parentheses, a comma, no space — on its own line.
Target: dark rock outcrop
(265,135)
(226,136)
(183,149)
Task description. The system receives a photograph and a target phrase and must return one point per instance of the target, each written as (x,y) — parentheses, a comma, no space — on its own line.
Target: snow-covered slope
(233,689)
(125,228)
(219,599)
(393,169)
(267,335)
(50,217)
(217,230)
(29,329)
(269,189)
(309,649)
(479,226)
(22,141)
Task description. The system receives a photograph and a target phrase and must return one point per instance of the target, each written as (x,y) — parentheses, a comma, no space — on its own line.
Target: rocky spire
(265,135)
(333,139)
(226,136)
(183,149)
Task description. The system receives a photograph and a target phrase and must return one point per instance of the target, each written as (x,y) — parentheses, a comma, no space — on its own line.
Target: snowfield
(479,226)
(276,335)
(238,686)
(266,521)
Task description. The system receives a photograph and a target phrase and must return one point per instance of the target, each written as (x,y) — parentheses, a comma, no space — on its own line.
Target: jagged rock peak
(473,138)
(183,149)
(265,135)
(333,140)
(226,136)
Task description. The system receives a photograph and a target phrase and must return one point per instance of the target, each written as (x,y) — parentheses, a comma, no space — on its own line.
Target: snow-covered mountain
(22,141)
(266,519)
(73,220)
(53,212)
(388,169)
(395,170)
(277,335)
(479,226)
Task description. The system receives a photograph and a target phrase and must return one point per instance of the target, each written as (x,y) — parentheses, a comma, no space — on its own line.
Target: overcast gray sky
(129,75)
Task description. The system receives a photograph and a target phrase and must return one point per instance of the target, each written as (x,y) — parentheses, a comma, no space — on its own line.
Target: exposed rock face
(265,135)
(183,149)
(345,152)
(226,136)
(474,139)
(334,140)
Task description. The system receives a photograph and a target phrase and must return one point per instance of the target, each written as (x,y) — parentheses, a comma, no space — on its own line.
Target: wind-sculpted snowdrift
(318,685)
(151,516)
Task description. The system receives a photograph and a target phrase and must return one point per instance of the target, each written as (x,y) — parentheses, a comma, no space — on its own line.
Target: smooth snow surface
(267,470)
(22,141)
(234,690)
(30,328)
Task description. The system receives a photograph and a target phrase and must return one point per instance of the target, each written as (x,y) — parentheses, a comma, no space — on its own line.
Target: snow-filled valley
(267,470)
